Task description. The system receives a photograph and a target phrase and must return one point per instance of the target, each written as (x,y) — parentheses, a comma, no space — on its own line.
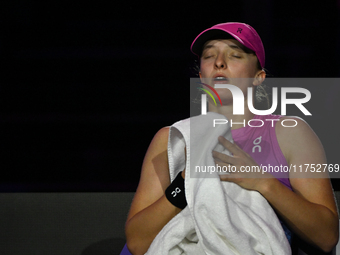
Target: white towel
(221,217)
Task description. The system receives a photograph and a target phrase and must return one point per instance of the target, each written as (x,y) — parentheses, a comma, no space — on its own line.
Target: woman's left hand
(244,170)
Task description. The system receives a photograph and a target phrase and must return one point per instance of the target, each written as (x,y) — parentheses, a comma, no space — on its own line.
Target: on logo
(256,142)
(175,192)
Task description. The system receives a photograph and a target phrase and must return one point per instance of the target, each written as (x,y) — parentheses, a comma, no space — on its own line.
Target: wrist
(266,185)
(175,193)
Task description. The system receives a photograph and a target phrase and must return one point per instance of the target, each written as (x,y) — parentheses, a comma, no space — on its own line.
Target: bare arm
(150,210)
(310,211)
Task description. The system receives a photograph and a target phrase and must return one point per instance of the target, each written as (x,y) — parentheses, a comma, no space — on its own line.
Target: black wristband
(175,193)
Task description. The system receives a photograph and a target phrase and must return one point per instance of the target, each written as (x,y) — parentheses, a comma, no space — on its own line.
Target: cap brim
(209,34)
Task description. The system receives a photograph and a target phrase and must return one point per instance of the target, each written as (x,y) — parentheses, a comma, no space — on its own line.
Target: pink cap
(242,32)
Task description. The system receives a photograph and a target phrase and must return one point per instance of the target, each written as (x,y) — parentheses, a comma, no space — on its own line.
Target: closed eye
(208,56)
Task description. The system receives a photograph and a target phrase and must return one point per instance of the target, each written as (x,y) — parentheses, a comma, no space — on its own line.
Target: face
(224,61)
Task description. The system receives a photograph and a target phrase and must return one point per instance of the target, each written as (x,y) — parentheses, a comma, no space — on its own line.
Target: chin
(225,95)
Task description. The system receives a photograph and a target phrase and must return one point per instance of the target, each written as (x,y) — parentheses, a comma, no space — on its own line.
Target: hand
(251,180)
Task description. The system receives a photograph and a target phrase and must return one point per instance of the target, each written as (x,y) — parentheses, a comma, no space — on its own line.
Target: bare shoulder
(296,138)
(154,177)
(292,125)
(161,137)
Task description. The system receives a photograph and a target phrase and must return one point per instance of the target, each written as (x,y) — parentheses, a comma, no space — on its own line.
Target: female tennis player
(305,206)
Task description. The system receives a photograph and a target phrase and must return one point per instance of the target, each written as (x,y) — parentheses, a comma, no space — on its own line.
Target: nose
(220,62)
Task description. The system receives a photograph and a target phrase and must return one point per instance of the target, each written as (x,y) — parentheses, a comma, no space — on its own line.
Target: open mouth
(221,79)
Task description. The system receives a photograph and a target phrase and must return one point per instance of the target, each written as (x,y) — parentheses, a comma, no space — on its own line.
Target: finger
(231,147)
(223,158)
(224,169)
(223,165)
(229,177)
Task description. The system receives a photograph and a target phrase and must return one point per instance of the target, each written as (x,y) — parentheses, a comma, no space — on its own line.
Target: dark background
(85,86)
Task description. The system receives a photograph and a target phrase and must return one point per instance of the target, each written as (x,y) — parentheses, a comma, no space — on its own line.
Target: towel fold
(221,217)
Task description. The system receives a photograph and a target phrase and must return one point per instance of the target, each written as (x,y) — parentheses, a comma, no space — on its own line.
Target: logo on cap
(239,30)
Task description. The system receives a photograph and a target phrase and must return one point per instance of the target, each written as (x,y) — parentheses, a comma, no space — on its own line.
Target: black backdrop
(85,86)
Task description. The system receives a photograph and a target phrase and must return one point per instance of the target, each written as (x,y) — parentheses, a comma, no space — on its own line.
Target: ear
(259,77)
(200,75)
